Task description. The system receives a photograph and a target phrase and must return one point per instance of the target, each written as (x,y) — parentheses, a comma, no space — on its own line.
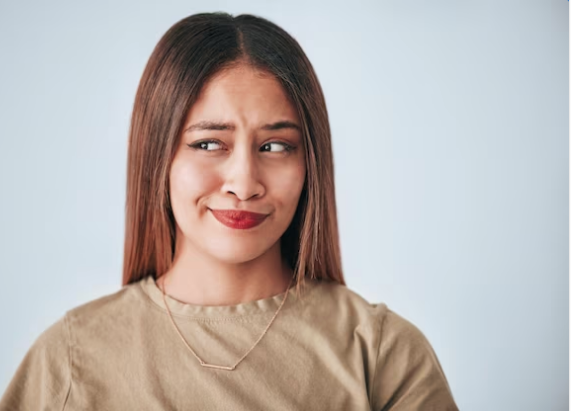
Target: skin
(216,265)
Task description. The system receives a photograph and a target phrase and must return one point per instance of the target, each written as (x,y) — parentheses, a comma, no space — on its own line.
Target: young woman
(233,295)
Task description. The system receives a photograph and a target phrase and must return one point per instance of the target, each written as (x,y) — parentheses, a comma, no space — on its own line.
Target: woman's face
(241,149)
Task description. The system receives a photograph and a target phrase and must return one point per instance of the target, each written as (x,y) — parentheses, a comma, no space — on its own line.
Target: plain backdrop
(450,132)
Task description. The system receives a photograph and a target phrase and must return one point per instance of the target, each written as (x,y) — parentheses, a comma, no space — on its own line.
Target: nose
(242,176)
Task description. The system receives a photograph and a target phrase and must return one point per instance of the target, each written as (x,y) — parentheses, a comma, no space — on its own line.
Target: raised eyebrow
(210,125)
(285,124)
(216,125)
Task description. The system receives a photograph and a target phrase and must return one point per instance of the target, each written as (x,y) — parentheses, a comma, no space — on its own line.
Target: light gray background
(450,130)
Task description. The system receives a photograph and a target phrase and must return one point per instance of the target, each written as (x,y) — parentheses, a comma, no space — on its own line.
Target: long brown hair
(185,58)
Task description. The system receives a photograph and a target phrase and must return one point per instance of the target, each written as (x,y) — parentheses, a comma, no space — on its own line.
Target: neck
(198,280)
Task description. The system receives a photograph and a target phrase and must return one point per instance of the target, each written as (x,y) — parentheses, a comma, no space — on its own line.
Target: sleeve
(43,379)
(408,375)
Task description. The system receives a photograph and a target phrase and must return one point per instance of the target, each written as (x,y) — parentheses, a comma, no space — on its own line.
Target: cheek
(189,181)
(288,185)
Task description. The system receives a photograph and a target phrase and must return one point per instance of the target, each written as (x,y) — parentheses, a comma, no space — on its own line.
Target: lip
(238,219)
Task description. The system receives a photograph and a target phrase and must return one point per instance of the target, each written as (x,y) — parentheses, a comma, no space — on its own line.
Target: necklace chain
(222,367)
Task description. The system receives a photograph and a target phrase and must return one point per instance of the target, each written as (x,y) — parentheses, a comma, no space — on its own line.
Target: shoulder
(335,304)
(408,374)
(100,321)
(385,322)
(394,328)
(333,297)
(43,378)
(55,337)
(112,306)
(405,372)
(387,329)
(106,302)
(377,318)
(59,335)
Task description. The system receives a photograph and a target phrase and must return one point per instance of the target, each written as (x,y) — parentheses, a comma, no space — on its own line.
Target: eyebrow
(216,125)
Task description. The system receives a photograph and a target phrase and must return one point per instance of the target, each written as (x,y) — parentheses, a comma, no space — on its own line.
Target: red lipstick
(238,219)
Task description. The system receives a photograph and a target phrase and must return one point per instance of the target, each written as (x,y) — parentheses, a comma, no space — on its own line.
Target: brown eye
(285,146)
(203,145)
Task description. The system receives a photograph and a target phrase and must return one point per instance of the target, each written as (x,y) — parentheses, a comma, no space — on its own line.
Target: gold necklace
(222,367)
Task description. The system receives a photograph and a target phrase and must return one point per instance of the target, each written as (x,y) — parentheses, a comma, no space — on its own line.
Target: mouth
(238,219)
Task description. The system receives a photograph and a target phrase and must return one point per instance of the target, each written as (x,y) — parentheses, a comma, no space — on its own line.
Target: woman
(233,295)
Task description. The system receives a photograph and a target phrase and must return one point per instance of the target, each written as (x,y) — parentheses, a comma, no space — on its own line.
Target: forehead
(243,92)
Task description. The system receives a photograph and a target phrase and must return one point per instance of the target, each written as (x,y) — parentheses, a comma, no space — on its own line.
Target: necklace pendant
(220,367)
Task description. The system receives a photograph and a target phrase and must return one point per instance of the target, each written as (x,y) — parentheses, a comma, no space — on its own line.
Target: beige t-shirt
(330,351)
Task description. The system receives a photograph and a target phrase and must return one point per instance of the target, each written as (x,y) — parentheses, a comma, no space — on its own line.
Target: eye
(201,145)
(286,147)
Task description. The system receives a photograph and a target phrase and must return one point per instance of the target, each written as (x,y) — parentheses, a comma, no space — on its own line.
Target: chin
(234,250)
(235,258)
